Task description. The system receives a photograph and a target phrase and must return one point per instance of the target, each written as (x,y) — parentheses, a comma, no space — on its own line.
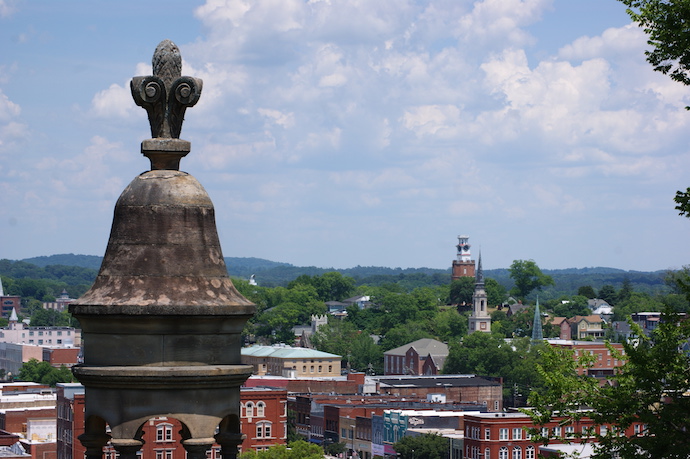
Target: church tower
(463,266)
(537,331)
(480,319)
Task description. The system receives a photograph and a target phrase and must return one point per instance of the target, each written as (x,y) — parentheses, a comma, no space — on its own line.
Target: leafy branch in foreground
(650,390)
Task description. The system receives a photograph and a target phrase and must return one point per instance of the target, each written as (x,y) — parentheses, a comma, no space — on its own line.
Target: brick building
(506,435)
(605,362)
(459,388)
(263,421)
(422,357)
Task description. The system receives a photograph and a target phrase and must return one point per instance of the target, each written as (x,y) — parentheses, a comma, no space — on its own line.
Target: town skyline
(336,134)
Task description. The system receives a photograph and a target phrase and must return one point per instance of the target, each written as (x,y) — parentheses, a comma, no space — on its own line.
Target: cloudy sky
(338,133)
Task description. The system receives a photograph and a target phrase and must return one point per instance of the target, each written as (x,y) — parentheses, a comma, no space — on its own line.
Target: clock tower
(463,266)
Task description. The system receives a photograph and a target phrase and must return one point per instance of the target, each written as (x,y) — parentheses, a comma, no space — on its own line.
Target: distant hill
(271,274)
(66,259)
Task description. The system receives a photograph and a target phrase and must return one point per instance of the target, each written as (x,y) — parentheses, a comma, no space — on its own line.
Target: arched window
(503,453)
(250,409)
(529,452)
(517,452)
(487,453)
(260,409)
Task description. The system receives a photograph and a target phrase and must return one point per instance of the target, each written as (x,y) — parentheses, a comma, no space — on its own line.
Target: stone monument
(161,325)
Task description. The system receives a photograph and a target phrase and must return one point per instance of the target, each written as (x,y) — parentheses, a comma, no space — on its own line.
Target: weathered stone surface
(162,323)
(163,253)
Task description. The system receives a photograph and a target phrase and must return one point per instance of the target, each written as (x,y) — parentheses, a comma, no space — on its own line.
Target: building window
(517,452)
(164,432)
(556,431)
(250,410)
(569,431)
(503,434)
(487,453)
(487,434)
(529,452)
(159,454)
(503,453)
(517,433)
(263,429)
(260,409)
(603,430)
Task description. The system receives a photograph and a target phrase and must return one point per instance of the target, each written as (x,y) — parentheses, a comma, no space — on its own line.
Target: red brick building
(507,436)
(59,356)
(605,361)
(422,357)
(263,421)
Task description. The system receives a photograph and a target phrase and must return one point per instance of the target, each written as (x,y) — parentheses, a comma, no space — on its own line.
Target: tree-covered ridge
(274,274)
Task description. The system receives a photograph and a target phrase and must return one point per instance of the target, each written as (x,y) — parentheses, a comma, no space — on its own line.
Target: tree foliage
(666,24)
(299,449)
(427,446)
(650,388)
(489,354)
(44,373)
(527,277)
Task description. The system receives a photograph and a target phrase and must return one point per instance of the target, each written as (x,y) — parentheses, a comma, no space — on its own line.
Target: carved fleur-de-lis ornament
(165,95)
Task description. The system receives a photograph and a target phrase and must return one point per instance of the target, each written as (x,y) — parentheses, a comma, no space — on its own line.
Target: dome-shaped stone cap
(164,253)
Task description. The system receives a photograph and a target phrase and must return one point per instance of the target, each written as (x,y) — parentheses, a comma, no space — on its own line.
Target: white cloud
(8,109)
(114,102)
(8,8)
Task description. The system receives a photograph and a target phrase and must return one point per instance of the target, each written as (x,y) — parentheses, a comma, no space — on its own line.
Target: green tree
(575,305)
(299,449)
(587,291)
(461,290)
(49,318)
(650,388)
(666,24)
(448,325)
(608,293)
(427,446)
(496,293)
(44,373)
(527,277)
(331,286)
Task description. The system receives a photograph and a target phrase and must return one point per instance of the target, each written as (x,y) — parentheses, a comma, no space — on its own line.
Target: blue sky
(339,133)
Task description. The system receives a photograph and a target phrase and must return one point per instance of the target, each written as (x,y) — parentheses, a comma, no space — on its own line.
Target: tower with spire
(480,319)
(537,332)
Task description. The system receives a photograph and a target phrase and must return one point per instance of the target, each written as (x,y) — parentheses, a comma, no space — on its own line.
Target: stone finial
(166,95)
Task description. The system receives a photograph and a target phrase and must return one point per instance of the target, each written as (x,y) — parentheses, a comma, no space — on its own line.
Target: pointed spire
(13,316)
(1,292)
(537,333)
(479,277)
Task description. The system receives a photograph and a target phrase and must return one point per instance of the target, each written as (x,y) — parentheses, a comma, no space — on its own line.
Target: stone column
(94,443)
(127,448)
(229,442)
